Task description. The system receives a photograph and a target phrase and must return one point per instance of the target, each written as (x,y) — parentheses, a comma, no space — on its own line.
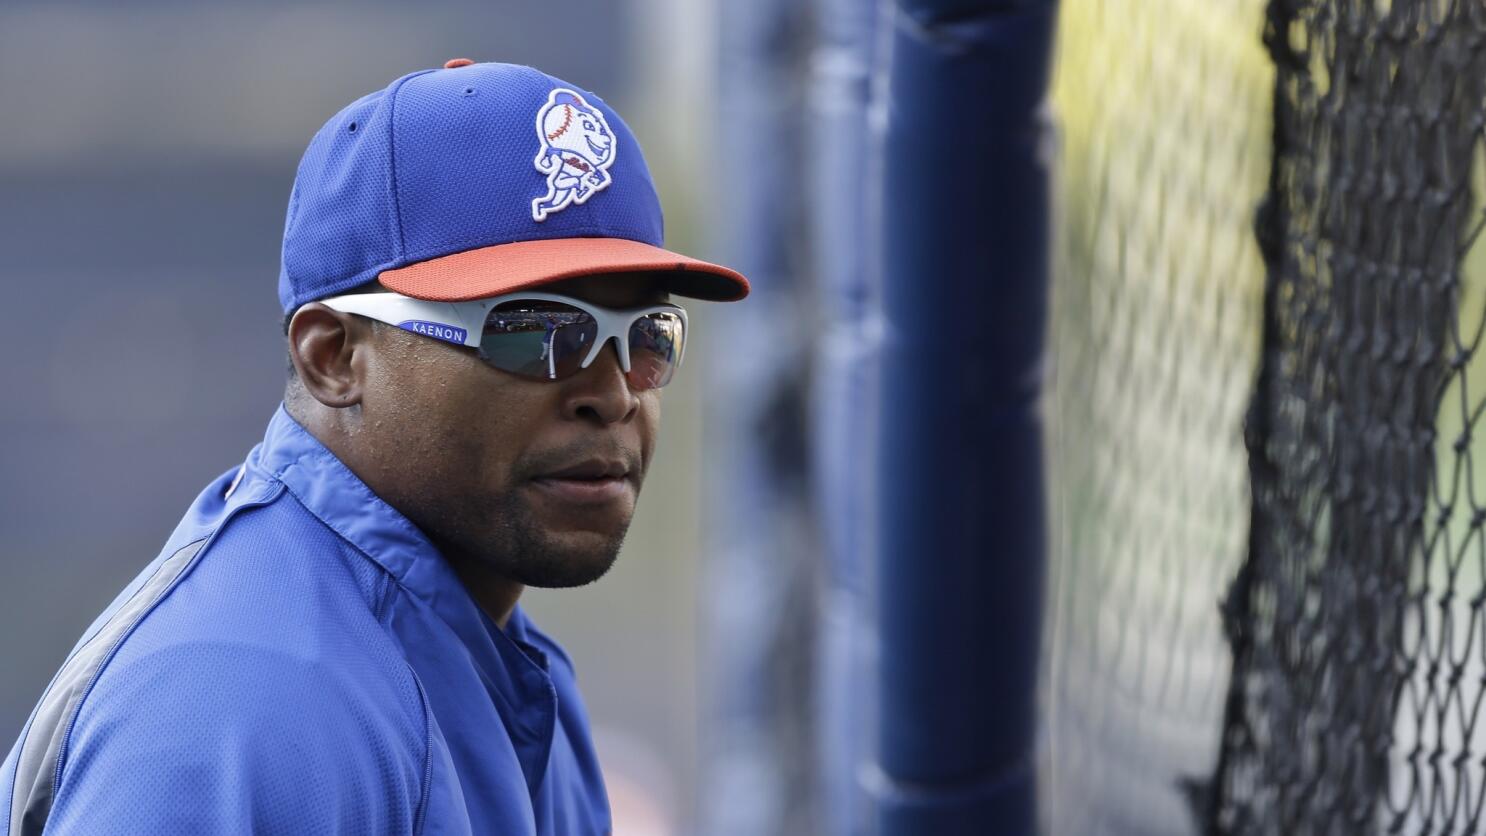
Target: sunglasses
(539,336)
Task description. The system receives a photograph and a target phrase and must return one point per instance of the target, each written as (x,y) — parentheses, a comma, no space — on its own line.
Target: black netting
(1356,622)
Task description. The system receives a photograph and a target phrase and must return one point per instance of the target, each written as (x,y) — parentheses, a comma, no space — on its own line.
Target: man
(330,642)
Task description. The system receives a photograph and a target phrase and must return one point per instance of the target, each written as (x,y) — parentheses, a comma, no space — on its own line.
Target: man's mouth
(600,150)
(590,482)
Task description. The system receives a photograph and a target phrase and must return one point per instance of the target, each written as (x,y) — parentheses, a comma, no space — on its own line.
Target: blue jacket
(301,660)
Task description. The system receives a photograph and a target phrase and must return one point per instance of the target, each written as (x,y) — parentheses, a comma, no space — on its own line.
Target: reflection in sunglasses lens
(543,340)
(654,346)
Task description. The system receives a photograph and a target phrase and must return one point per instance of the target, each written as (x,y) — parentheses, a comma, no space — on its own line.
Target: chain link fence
(1164,111)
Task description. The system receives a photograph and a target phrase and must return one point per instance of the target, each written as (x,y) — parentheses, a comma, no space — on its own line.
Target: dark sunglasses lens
(655,342)
(541,340)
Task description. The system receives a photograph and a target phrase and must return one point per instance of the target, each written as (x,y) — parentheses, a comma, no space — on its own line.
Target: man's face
(533,480)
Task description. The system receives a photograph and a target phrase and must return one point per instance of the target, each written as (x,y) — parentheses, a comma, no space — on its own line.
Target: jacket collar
(331,492)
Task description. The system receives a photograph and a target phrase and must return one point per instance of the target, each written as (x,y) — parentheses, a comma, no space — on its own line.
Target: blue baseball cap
(476,180)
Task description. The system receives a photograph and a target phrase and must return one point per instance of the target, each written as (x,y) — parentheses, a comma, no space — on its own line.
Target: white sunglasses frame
(466,320)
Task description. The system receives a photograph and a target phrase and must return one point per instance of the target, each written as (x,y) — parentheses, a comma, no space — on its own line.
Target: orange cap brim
(505,268)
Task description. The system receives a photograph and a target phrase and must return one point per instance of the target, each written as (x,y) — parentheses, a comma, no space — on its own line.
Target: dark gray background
(146,154)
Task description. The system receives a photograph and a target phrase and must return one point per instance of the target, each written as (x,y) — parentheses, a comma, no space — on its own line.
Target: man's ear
(328,350)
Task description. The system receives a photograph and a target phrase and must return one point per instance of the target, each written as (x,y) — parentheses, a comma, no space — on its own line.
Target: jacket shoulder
(245,677)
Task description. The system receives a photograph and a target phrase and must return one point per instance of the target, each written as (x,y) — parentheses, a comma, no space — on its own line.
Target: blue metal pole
(844,398)
(964,228)
(760,609)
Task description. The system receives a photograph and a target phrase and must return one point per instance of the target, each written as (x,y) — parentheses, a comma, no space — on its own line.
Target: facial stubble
(503,537)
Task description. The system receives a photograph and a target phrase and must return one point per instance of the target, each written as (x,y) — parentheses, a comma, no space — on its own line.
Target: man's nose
(601,392)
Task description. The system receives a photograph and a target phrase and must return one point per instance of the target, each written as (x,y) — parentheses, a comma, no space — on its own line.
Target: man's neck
(495,594)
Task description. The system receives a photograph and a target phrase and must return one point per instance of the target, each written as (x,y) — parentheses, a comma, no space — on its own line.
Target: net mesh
(1164,108)
(1356,622)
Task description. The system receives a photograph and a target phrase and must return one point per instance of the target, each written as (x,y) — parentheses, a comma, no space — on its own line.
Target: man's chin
(556,547)
(574,558)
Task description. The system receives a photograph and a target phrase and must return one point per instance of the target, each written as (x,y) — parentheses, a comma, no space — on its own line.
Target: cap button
(456,63)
